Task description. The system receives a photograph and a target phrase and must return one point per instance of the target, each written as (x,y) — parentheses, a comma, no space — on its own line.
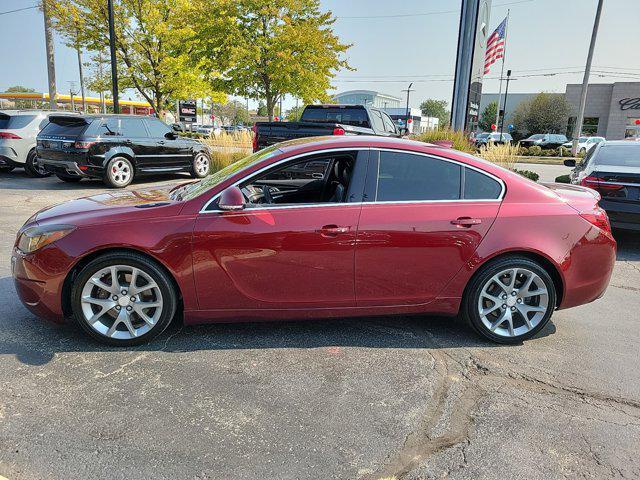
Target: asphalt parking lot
(410,397)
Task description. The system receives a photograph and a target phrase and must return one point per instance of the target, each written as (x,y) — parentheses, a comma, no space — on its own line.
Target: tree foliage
(545,113)
(232,112)
(488,117)
(151,46)
(294,113)
(264,49)
(21,89)
(438,109)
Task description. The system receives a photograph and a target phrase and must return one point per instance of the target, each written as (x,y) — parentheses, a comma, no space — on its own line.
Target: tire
(200,166)
(68,178)
(114,308)
(494,324)
(32,168)
(6,169)
(118,173)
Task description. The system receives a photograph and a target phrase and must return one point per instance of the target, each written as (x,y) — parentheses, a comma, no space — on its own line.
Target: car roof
(619,142)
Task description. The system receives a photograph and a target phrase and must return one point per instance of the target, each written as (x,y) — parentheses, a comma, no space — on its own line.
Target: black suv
(115,148)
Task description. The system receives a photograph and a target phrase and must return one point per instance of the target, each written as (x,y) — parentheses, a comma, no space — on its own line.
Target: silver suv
(18,131)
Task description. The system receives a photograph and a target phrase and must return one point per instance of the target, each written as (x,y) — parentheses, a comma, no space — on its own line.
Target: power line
(423,14)
(18,10)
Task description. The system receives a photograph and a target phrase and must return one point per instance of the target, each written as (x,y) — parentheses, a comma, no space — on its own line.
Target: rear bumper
(9,157)
(622,215)
(62,167)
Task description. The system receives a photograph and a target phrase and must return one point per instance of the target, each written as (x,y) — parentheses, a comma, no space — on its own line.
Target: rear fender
(119,151)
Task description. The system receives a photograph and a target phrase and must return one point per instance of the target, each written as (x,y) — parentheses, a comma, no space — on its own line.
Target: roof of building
(367,92)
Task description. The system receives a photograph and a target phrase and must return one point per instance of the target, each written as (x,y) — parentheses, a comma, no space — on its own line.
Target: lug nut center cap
(123,301)
(511,301)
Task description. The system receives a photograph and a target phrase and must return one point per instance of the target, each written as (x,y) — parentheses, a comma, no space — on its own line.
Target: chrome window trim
(391,202)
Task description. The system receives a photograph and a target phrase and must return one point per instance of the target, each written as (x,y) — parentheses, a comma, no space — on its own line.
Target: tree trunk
(271,105)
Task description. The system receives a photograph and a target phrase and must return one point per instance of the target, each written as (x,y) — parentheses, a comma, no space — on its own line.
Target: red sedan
(324,227)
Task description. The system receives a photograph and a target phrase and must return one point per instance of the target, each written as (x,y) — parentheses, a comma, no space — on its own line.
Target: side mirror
(231,199)
(170,135)
(569,163)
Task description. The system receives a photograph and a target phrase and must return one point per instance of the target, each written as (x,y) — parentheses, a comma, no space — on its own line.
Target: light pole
(408,90)
(504,105)
(577,130)
(114,65)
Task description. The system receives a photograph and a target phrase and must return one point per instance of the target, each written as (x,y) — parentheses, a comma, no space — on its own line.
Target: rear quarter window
(478,186)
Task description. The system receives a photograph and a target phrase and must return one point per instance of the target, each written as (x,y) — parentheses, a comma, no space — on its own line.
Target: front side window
(409,177)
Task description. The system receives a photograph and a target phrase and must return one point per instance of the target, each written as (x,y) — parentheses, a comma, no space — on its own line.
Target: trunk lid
(580,198)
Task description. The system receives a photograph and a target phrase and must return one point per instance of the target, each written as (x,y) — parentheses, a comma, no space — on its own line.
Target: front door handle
(161,142)
(466,221)
(332,230)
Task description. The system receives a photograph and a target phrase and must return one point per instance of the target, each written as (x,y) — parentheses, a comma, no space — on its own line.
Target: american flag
(495,46)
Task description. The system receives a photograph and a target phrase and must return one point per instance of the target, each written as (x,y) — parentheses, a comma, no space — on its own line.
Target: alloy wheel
(513,302)
(121,302)
(120,172)
(201,165)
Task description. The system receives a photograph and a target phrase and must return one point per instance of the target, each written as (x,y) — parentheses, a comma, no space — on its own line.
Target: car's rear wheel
(119,173)
(68,178)
(510,300)
(33,167)
(201,166)
(123,299)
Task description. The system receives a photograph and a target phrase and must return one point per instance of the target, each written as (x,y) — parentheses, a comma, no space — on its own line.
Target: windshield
(538,136)
(483,135)
(583,139)
(192,190)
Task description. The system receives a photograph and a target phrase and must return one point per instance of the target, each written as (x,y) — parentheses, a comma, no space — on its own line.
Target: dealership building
(611,111)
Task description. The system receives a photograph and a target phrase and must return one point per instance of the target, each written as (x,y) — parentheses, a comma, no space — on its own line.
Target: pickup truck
(319,120)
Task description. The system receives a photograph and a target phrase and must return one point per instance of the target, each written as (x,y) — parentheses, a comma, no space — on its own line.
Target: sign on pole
(188,111)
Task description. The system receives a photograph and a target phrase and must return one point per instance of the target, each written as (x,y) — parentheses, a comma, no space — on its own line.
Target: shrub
(563,179)
(535,150)
(219,160)
(564,152)
(460,139)
(503,155)
(581,154)
(528,174)
(524,151)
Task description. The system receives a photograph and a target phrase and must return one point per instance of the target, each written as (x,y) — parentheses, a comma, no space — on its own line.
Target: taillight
(254,129)
(9,136)
(338,131)
(83,145)
(597,217)
(598,184)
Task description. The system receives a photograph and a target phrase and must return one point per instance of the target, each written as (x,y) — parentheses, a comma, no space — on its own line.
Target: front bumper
(38,287)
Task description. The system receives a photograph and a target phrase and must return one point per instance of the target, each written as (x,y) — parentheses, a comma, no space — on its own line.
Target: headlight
(34,238)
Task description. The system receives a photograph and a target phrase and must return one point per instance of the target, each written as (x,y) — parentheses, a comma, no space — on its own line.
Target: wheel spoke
(535,293)
(134,279)
(117,321)
(102,302)
(512,279)
(115,285)
(146,318)
(100,284)
(505,316)
(137,290)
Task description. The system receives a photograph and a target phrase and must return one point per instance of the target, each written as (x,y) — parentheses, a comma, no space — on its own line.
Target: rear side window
(408,177)
(478,186)
(15,122)
(621,155)
(62,126)
(157,129)
(117,126)
(347,116)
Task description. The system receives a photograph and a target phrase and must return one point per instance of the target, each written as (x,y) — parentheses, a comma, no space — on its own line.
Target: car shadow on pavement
(18,180)
(34,341)
(628,245)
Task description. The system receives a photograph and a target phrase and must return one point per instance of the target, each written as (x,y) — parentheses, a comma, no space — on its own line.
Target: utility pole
(281,106)
(577,130)
(504,105)
(72,86)
(504,56)
(408,90)
(114,65)
(51,67)
(84,102)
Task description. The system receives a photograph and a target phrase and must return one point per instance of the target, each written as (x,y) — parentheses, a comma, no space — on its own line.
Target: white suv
(585,143)
(18,131)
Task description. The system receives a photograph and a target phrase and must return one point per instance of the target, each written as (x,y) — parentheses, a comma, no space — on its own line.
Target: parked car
(18,131)
(613,170)
(585,143)
(320,120)
(544,140)
(115,148)
(492,137)
(344,226)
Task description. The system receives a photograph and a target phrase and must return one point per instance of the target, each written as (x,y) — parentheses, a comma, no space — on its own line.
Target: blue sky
(547,36)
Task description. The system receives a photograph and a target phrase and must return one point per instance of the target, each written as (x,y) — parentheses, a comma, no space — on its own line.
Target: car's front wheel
(118,173)
(201,166)
(123,299)
(33,167)
(510,300)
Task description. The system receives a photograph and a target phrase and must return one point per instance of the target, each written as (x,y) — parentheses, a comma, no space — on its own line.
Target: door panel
(259,258)
(407,253)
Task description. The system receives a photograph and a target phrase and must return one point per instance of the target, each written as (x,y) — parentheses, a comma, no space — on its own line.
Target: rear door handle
(161,142)
(466,221)
(332,230)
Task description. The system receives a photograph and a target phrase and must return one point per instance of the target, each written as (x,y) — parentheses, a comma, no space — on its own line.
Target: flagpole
(504,55)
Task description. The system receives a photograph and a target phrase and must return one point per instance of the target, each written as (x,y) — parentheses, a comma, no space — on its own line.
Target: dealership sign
(187,111)
(630,103)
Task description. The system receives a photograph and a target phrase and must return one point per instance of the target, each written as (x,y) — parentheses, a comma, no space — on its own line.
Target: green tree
(545,113)
(267,48)
(294,113)
(151,44)
(488,117)
(262,109)
(438,109)
(233,112)
(20,89)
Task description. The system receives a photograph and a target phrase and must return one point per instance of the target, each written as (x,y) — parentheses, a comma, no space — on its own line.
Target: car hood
(111,206)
